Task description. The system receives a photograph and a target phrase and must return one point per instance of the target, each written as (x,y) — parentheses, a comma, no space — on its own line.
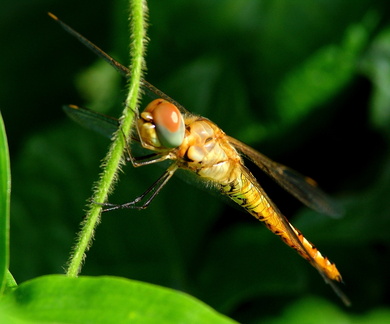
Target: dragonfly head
(161,125)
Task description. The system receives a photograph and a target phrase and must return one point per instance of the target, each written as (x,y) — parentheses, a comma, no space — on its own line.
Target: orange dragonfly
(196,144)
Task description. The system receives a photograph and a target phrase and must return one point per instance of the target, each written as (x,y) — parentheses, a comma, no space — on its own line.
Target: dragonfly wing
(301,187)
(149,88)
(102,124)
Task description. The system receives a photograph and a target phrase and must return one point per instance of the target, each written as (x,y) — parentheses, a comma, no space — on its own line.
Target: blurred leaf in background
(306,83)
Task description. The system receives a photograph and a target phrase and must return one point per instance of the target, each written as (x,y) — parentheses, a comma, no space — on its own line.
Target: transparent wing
(301,187)
(149,88)
(102,124)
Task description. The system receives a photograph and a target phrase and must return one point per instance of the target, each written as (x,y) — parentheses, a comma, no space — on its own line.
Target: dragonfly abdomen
(246,192)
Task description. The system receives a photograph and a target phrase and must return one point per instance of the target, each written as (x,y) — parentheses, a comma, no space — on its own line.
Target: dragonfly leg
(147,159)
(149,194)
(142,160)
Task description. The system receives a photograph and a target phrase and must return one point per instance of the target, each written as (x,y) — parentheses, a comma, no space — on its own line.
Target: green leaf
(323,74)
(376,65)
(5,191)
(97,300)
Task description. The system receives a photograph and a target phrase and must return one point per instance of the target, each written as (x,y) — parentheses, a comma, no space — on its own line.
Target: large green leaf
(58,299)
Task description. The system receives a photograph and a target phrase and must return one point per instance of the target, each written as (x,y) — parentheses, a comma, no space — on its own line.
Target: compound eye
(169,122)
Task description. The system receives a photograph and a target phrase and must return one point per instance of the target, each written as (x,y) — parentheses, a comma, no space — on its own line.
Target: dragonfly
(196,144)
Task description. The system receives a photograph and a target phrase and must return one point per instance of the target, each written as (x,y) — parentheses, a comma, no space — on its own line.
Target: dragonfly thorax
(206,152)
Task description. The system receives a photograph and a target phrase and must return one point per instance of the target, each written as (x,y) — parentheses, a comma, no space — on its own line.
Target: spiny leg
(149,194)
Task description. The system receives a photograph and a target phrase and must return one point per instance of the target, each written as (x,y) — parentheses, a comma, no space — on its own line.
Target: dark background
(306,83)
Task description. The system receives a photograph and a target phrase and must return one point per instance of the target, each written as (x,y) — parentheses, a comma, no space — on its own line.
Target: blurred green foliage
(305,82)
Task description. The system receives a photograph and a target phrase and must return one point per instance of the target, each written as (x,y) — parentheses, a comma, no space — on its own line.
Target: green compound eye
(169,122)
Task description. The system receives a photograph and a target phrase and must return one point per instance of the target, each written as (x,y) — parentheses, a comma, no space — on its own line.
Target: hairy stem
(113,160)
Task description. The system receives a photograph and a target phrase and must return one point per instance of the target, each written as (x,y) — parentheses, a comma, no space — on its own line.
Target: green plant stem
(113,160)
